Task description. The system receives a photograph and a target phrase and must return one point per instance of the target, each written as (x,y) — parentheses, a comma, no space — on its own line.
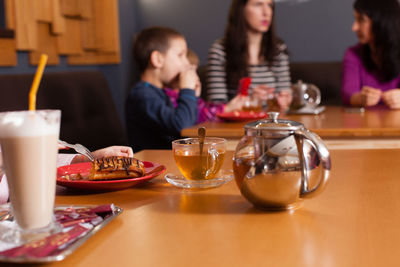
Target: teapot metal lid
(272,124)
(300,84)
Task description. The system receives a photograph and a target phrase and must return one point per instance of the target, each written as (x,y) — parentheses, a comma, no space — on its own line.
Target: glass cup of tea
(252,104)
(29,150)
(197,162)
(272,102)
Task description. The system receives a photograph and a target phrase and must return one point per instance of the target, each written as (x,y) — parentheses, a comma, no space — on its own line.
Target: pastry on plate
(116,168)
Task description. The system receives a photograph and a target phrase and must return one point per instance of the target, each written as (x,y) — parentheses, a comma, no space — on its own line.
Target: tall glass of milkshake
(28,142)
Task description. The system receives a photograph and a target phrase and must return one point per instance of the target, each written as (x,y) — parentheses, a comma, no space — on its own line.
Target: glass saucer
(180,181)
(12,235)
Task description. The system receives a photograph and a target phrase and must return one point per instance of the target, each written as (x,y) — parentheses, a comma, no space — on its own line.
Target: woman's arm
(351,83)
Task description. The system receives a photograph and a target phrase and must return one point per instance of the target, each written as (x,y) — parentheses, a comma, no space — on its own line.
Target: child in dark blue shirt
(152,120)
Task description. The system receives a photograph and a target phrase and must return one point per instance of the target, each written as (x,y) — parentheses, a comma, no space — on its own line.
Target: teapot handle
(324,157)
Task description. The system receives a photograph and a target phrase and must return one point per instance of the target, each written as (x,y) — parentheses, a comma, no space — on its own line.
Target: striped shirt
(277,76)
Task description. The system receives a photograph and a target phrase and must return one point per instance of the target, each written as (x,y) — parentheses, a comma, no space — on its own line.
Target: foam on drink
(27,123)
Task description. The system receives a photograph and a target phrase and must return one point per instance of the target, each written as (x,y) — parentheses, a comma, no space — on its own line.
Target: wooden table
(376,128)
(354,222)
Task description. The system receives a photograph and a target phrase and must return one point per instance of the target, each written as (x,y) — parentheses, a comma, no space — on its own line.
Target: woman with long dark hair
(371,69)
(249,48)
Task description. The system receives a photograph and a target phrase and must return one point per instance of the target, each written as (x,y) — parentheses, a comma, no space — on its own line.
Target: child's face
(175,61)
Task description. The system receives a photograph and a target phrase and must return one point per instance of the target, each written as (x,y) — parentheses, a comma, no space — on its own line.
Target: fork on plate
(78,148)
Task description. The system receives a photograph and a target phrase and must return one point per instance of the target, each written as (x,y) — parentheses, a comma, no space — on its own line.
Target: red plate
(152,170)
(242,115)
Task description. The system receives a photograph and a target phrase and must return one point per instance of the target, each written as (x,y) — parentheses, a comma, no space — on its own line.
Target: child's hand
(123,151)
(263,92)
(236,103)
(188,79)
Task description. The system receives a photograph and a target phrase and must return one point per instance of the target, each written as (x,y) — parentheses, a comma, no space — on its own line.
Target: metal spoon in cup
(201,132)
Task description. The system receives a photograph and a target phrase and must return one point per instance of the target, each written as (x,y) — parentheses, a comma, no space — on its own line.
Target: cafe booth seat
(326,76)
(88,112)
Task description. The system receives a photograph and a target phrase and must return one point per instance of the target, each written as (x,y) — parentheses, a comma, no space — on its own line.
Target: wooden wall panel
(94,58)
(8,55)
(85,8)
(89,37)
(58,22)
(47,43)
(105,15)
(70,43)
(25,24)
(9,12)
(44,11)
(70,8)
(87,31)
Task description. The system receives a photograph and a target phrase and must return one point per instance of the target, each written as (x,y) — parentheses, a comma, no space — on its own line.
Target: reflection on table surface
(354,222)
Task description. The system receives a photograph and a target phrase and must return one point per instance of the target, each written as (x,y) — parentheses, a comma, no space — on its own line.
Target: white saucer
(180,181)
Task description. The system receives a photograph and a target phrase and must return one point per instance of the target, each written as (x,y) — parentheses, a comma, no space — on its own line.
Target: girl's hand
(392,98)
(284,99)
(123,151)
(263,92)
(236,103)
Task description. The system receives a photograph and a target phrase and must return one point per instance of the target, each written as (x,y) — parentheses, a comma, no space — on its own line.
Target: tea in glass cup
(29,150)
(252,104)
(195,164)
(272,102)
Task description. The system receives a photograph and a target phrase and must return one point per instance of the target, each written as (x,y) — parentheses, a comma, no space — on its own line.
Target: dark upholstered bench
(325,75)
(87,108)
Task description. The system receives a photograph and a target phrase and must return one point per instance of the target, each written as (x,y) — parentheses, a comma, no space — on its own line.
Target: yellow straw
(36,82)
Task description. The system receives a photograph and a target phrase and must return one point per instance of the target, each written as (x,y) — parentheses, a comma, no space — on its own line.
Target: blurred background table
(354,222)
(340,127)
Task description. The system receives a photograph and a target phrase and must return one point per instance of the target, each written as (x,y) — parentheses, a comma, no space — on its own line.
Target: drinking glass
(199,163)
(29,150)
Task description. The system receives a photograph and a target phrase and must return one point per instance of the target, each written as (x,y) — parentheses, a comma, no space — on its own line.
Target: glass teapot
(279,162)
(305,95)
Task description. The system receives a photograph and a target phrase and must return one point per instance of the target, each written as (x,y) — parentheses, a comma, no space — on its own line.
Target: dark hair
(149,40)
(385,17)
(236,46)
